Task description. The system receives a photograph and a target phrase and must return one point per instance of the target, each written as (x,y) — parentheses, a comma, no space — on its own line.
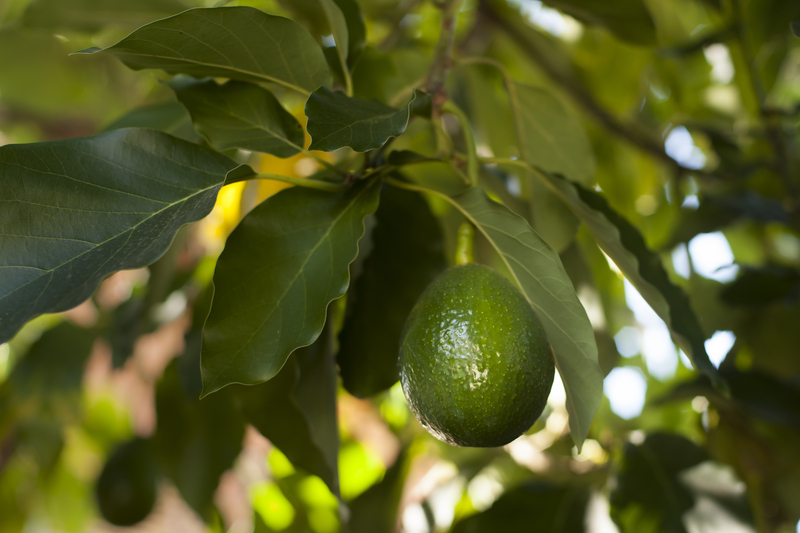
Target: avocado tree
(221,222)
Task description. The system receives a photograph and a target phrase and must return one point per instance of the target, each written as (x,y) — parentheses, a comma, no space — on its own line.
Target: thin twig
(472,156)
(442,57)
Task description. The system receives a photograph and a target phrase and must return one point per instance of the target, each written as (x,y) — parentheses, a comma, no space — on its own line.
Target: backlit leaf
(550,137)
(281,267)
(233,42)
(74,211)
(625,246)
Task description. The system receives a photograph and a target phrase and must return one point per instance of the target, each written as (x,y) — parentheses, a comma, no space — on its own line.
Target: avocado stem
(465,245)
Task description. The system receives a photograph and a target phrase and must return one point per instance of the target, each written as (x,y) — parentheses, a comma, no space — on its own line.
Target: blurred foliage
(99,411)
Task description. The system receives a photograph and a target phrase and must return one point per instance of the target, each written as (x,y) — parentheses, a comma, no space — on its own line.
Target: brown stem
(442,57)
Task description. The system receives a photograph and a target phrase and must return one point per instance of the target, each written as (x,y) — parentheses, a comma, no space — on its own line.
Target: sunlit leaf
(623,243)
(407,254)
(281,267)
(233,42)
(336,120)
(74,211)
(551,137)
(241,115)
(93,15)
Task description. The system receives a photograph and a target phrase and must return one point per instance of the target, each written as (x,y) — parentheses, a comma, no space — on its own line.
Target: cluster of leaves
(376,222)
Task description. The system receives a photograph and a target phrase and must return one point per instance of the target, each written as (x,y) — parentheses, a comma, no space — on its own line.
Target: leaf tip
(86,51)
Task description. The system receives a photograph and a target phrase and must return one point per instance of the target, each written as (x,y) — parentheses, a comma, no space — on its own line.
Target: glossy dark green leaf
(625,246)
(538,272)
(336,120)
(550,137)
(628,19)
(533,506)
(196,440)
(407,254)
(127,488)
(649,489)
(232,42)
(241,115)
(75,211)
(93,15)
(375,510)
(169,117)
(281,267)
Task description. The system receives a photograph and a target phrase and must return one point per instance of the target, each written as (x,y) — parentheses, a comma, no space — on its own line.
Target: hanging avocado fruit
(127,488)
(475,364)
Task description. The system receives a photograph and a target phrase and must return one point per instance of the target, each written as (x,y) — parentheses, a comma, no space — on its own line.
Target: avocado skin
(475,363)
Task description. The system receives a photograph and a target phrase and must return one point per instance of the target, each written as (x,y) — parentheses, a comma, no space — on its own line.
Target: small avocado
(128,485)
(475,363)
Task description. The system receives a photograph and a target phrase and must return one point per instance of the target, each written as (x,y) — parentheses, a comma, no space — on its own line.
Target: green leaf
(649,490)
(241,115)
(196,440)
(356,30)
(74,211)
(281,267)
(407,255)
(233,42)
(337,25)
(45,385)
(533,506)
(296,410)
(169,117)
(628,19)
(336,120)
(625,246)
(795,26)
(538,272)
(550,137)
(94,15)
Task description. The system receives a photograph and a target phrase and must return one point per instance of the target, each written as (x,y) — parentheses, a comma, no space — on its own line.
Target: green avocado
(128,485)
(475,364)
